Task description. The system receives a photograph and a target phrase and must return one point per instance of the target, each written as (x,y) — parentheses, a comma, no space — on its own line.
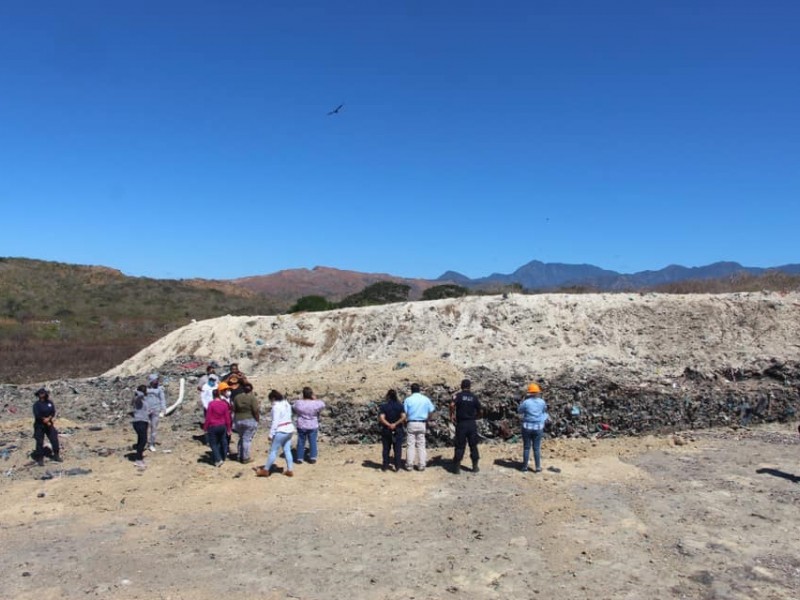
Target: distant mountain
(537,275)
(284,287)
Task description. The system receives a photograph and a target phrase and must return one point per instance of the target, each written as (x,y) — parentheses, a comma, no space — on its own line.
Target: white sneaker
(152,448)
(140,464)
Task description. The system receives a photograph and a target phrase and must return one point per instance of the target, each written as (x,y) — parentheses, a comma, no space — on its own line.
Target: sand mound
(364,350)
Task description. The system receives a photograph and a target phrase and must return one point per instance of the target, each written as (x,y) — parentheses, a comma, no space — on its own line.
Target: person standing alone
(44,411)
(418,408)
(533,414)
(465,408)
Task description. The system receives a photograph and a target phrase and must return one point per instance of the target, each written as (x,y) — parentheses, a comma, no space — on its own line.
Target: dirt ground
(714,515)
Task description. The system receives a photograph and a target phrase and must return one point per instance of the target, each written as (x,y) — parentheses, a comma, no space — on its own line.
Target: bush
(311,304)
(444,291)
(382,292)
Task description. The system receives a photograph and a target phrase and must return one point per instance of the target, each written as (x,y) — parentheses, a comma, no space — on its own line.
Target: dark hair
(215,393)
(42,392)
(466,384)
(391,396)
(275,395)
(142,388)
(415,388)
(209,368)
(308,393)
(248,387)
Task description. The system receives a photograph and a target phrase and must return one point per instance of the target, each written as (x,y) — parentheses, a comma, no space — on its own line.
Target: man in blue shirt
(418,408)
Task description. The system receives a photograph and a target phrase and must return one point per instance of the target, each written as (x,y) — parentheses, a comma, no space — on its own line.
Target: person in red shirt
(218,425)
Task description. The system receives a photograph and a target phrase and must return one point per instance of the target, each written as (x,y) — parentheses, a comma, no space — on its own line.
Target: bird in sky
(336,110)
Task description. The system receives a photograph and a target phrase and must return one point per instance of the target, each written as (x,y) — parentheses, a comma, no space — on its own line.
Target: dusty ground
(714,517)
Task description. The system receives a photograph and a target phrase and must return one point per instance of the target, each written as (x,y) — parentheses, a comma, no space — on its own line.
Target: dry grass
(31,361)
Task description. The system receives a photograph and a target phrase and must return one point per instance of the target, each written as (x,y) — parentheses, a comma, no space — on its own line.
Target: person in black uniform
(44,411)
(464,409)
(393,431)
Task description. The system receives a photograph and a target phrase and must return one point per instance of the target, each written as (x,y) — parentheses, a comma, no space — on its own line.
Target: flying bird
(336,110)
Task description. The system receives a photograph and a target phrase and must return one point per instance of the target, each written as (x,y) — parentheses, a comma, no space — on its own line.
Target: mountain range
(537,275)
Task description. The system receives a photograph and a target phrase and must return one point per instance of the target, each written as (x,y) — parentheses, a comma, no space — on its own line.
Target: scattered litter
(40,495)
(554,469)
(259,342)
(400,365)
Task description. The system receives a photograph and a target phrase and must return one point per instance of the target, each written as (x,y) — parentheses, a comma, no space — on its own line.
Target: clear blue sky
(190,138)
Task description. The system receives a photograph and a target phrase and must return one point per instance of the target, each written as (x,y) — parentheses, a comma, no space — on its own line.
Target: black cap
(41,392)
(466,384)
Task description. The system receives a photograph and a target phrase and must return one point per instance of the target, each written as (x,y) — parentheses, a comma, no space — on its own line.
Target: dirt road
(714,516)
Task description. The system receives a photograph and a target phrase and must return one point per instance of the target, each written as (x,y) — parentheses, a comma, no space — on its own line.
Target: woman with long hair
(280,432)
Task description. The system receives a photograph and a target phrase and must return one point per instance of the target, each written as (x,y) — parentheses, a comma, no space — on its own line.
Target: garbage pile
(578,406)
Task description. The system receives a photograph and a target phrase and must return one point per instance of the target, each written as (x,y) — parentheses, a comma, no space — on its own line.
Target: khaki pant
(415,444)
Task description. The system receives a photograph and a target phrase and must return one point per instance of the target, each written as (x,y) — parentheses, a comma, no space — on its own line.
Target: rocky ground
(710,514)
(630,508)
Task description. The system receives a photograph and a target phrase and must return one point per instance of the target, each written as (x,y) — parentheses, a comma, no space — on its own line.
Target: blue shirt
(533,412)
(417,407)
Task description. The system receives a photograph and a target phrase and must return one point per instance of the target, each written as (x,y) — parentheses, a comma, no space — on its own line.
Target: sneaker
(538,470)
(475,468)
(524,468)
(152,448)
(140,464)
(219,463)
(57,458)
(289,473)
(312,461)
(40,462)
(246,461)
(261,472)
(299,462)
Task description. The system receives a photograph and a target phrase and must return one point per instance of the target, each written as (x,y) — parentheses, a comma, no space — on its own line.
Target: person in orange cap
(533,414)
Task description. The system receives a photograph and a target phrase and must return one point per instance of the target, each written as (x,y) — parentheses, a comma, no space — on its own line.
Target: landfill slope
(621,337)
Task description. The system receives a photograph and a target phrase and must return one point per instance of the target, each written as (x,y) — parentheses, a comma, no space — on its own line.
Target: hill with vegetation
(63,320)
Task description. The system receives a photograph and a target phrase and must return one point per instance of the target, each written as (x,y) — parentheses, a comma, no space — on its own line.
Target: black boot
(475,467)
(456,468)
(57,458)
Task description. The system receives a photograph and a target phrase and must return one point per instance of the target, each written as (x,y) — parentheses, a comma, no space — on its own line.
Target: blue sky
(190,138)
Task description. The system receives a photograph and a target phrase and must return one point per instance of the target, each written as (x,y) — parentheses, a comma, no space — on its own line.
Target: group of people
(406,424)
(229,404)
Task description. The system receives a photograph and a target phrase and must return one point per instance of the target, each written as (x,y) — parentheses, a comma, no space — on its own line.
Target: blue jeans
(311,436)
(281,440)
(532,437)
(218,441)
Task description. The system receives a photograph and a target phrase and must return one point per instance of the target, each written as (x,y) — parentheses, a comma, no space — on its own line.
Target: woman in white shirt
(280,432)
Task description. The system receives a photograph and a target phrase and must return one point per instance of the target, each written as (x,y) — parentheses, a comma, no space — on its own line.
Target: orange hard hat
(223,386)
(534,388)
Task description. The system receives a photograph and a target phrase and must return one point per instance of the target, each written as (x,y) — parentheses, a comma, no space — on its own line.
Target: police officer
(465,408)
(44,411)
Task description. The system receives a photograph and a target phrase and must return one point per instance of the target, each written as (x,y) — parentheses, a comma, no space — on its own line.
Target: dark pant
(466,431)
(218,441)
(40,430)
(393,439)
(140,427)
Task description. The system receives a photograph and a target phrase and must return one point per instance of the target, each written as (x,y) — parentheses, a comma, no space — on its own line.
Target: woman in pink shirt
(307,410)
(218,425)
